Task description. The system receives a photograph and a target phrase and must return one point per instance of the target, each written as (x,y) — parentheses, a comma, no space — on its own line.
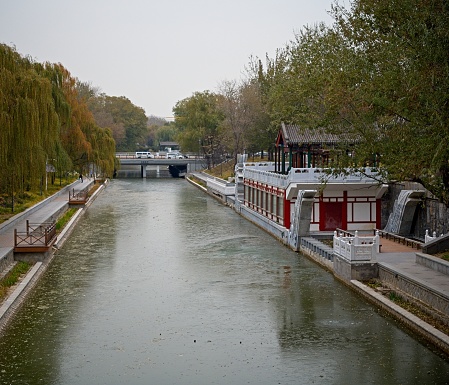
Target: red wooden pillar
(344,211)
(378,213)
(322,219)
(286,212)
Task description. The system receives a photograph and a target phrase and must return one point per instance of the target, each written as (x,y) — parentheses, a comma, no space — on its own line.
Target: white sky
(155,53)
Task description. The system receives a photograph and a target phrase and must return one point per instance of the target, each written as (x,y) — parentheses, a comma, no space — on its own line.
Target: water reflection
(160,283)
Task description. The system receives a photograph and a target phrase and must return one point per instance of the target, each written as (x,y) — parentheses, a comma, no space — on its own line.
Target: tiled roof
(294,134)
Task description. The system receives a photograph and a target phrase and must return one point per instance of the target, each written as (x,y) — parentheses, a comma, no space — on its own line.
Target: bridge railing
(157,155)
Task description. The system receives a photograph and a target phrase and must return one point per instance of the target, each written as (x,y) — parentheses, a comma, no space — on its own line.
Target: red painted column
(322,214)
(378,213)
(286,212)
(344,211)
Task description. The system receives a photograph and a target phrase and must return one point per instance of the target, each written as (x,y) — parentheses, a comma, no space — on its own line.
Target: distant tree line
(45,122)
(378,75)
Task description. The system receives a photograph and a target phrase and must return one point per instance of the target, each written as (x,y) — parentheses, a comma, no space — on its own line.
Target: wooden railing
(77,198)
(399,239)
(37,237)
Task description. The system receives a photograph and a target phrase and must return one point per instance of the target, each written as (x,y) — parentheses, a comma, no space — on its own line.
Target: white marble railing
(428,238)
(270,178)
(264,172)
(357,248)
(221,186)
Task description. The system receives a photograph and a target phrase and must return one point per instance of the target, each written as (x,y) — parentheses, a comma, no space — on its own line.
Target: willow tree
(76,127)
(29,123)
(42,121)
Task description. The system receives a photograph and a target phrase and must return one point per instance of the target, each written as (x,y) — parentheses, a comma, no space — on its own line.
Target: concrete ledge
(414,288)
(15,300)
(7,258)
(347,270)
(433,263)
(196,184)
(414,323)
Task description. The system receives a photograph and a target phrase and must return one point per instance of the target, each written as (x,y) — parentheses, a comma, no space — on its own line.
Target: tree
(402,86)
(380,77)
(44,121)
(198,119)
(244,117)
(127,122)
(29,123)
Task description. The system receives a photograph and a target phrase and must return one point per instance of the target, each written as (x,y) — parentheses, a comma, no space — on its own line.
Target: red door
(331,216)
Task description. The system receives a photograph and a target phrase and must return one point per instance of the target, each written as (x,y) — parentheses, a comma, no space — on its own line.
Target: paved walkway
(42,212)
(402,259)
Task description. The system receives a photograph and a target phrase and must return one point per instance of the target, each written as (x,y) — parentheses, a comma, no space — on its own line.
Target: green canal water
(161,284)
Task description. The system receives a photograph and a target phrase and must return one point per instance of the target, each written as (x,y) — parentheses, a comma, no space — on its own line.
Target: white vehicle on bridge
(175,155)
(144,154)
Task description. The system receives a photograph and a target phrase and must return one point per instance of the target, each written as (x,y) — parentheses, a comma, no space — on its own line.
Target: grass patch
(373,284)
(12,277)
(418,312)
(224,170)
(62,221)
(444,255)
(198,180)
(27,199)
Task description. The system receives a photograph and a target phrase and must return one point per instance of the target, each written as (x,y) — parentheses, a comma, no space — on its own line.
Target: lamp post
(198,156)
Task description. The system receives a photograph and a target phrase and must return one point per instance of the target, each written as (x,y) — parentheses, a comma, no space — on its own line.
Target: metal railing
(36,235)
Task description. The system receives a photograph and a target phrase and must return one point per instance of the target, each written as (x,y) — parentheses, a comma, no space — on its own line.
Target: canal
(161,284)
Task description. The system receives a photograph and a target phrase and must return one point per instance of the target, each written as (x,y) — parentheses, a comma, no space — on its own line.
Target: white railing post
(377,242)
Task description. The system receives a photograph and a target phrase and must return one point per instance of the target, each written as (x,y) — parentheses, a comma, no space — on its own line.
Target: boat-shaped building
(296,194)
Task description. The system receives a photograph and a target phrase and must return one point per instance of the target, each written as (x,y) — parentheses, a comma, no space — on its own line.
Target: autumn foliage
(44,122)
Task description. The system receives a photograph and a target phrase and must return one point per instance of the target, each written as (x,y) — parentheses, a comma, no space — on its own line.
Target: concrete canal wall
(15,300)
(353,275)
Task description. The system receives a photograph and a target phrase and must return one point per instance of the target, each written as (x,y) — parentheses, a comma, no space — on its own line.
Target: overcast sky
(155,52)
